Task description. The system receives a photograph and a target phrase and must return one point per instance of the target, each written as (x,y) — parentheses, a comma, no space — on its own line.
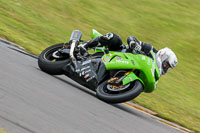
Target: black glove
(134,44)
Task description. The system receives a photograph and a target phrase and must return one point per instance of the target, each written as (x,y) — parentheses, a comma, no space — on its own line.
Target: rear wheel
(51,62)
(118,94)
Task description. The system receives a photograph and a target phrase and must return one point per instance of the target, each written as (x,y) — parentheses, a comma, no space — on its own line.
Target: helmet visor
(165,66)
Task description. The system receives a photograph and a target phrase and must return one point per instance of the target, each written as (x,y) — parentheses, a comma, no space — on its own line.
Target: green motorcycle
(116,76)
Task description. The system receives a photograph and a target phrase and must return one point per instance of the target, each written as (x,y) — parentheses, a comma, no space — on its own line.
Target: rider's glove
(135,46)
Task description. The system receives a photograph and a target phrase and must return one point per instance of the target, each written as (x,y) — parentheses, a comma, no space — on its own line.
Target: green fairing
(149,73)
(95,34)
(157,73)
(131,77)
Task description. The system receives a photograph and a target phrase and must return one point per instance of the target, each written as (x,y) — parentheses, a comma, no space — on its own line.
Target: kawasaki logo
(122,61)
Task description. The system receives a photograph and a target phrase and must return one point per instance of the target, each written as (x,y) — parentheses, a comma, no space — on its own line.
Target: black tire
(135,89)
(47,65)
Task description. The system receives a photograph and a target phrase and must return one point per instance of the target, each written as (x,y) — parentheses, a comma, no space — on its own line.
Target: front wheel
(51,65)
(112,94)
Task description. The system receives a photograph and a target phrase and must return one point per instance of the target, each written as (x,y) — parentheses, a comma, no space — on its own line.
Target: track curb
(17,48)
(154,116)
(12,44)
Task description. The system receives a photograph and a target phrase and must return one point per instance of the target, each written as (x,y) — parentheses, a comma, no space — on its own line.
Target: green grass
(176,24)
(2,130)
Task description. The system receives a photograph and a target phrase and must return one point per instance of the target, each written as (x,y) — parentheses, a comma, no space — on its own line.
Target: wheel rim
(108,89)
(52,55)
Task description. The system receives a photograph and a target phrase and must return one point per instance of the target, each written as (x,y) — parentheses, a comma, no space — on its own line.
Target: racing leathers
(114,43)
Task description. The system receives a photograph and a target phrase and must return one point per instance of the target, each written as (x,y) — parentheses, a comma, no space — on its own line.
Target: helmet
(168,59)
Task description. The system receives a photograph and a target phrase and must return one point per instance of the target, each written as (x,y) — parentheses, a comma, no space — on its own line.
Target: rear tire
(49,64)
(118,97)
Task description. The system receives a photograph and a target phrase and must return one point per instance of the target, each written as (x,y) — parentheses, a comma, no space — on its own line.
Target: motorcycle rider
(165,57)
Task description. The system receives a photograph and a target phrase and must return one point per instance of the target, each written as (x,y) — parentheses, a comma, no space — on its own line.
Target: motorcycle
(116,76)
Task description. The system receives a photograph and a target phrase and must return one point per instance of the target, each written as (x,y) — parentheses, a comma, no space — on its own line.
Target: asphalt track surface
(32,101)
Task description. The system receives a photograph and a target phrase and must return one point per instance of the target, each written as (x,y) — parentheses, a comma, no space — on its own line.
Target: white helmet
(168,59)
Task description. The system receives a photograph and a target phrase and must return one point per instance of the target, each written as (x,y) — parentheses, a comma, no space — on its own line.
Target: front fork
(74,41)
(118,81)
(128,77)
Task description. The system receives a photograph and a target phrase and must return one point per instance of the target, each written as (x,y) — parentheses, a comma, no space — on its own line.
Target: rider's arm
(100,41)
(146,48)
(139,46)
(155,50)
(92,43)
(111,40)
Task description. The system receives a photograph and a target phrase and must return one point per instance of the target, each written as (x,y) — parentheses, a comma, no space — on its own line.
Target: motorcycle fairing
(131,77)
(146,65)
(95,34)
(88,73)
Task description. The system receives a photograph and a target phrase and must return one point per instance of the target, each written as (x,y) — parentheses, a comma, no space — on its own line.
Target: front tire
(134,89)
(49,64)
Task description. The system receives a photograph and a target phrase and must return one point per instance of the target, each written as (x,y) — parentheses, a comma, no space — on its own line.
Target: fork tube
(73,44)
